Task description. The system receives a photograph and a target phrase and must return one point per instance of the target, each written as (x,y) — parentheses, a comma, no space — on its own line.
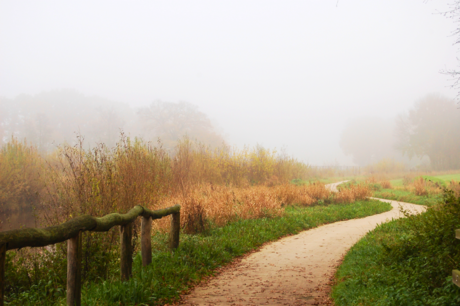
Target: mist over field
(145,146)
(327,82)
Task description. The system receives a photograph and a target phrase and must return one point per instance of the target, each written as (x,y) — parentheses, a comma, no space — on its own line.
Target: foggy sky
(285,74)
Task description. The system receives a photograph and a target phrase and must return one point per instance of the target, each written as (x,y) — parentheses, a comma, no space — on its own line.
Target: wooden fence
(456,273)
(71,231)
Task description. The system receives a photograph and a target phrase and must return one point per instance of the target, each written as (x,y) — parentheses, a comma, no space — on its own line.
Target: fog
(287,74)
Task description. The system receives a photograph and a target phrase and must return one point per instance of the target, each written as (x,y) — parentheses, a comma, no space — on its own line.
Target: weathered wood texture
(175,229)
(456,277)
(456,273)
(146,241)
(160,213)
(34,237)
(2,272)
(126,256)
(74,255)
(72,231)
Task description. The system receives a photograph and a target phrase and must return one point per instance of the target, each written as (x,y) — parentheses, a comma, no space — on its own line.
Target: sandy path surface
(295,270)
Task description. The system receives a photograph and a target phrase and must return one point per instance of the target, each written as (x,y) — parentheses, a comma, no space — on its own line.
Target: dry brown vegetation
(20,182)
(214,186)
(420,186)
(353,193)
(221,204)
(455,187)
(72,181)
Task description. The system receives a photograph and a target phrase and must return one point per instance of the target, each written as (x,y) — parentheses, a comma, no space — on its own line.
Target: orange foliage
(385,184)
(455,187)
(352,193)
(218,205)
(420,187)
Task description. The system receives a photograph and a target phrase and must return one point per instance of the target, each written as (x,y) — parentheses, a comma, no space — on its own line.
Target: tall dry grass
(210,204)
(20,182)
(72,180)
(420,186)
(455,187)
(352,193)
(217,205)
(213,186)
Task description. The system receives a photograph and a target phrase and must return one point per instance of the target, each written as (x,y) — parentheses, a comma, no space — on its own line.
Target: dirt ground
(296,270)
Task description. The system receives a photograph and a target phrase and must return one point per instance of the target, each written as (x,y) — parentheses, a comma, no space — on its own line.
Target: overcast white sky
(278,73)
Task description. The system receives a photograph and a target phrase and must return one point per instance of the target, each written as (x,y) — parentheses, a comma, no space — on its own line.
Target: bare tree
(454,14)
(431,128)
(171,121)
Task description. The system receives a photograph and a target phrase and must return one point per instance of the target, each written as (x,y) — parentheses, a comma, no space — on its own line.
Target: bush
(405,262)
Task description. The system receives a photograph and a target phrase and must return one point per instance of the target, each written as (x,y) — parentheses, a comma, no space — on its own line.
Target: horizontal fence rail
(71,231)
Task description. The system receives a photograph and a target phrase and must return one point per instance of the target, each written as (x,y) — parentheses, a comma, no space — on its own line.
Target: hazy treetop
(280,73)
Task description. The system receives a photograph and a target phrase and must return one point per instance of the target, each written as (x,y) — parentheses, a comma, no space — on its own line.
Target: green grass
(331,180)
(435,180)
(404,262)
(198,256)
(397,182)
(449,177)
(408,197)
(441,179)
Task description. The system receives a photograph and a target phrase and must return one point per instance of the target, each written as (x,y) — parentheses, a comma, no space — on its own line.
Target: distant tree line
(56,117)
(431,128)
(429,131)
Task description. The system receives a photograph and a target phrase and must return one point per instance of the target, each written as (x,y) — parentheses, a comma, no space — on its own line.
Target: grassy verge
(397,194)
(404,262)
(199,255)
(339,179)
(408,197)
(449,177)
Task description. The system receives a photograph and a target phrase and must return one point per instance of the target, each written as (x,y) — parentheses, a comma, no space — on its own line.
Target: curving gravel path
(295,270)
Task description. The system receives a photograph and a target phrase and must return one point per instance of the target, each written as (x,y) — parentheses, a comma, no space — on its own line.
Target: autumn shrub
(408,261)
(209,204)
(371,179)
(20,183)
(420,187)
(386,184)
(302,195)
(194,163)
(214,186)
(352,193)
(424,187)
(455,187)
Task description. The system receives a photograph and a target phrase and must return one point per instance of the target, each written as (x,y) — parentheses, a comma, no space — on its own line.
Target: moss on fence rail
(39,237)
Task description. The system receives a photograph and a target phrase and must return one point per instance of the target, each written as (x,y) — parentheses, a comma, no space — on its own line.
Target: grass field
(400,193)
(408,197)
(437,178)
(449,177)
(397,182)
(198,256)
(404,262)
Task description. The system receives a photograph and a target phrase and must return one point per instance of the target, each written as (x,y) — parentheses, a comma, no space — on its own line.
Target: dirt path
(295,270)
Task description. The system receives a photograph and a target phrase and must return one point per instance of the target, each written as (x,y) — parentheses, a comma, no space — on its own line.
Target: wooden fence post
(456,273)
(74,255)
(175,229)
(146,241)
(2,272)
(126,258)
